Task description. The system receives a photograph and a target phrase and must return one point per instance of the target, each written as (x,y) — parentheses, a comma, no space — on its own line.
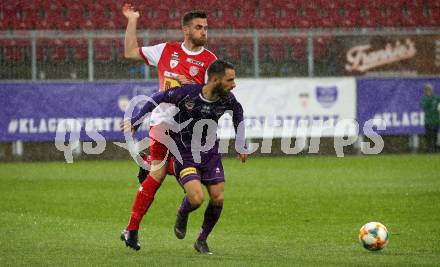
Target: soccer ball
(373,236)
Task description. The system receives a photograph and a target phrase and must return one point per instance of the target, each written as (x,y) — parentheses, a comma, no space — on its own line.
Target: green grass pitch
(284,211)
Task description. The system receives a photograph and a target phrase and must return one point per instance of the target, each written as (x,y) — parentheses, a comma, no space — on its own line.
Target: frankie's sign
(362,58)
(385,55)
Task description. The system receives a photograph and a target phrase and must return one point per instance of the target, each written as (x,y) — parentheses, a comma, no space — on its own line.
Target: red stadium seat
(58,50)
(119,48)
(159,14)
(102,50)
(327,17)
(384,16)
(281,16)
(409,16)
(263,19)
(7,19)
(321,47)
(80,52)
(433,3)
(298,48)
(43,51)
(345,17)
(154,18)
(16,50)
(430,17)
(313,17)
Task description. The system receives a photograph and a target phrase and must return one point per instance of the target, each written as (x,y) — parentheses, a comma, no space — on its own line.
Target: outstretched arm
(156,99)
(131,48)
(173,96)
(132,124)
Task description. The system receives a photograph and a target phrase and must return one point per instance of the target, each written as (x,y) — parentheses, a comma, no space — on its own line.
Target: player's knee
(217,199)
(158,174)
(196,199)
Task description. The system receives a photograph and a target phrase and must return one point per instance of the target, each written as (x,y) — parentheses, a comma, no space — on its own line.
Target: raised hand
(126,126)
(129,12)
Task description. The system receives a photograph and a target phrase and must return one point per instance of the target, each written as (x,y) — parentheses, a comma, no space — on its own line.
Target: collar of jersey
(191,53)
(206,100)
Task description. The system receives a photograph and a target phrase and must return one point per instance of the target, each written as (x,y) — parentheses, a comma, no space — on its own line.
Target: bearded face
(226,83)
(197,31)
(197,40)
(220,89)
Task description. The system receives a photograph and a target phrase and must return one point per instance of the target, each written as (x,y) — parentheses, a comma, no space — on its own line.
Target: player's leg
(189,179)
(145,195)
(211,217)
(213,178)
(143,173)
(144,199)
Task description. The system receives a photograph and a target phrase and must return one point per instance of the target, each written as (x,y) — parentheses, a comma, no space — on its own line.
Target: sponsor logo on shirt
(174,60)
(170,74)
(195,62)
(170,80)
(193,71)
(170,83)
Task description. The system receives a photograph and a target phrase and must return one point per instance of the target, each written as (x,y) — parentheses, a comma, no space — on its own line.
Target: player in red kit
(177,64)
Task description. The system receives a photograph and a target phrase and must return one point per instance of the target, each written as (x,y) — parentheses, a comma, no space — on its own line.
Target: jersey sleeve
(172,96)
(152,54)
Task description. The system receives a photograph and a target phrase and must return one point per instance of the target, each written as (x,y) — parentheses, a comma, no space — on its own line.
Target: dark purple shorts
(209,171)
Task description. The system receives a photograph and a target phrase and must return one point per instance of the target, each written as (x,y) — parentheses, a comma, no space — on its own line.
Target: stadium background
(56,45)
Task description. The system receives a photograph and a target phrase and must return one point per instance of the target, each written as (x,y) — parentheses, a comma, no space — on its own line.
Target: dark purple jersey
(202,115)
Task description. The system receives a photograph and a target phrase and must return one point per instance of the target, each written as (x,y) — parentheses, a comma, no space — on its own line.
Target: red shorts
(158,151)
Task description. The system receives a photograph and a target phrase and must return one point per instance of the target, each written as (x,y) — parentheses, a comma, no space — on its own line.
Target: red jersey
(172,59)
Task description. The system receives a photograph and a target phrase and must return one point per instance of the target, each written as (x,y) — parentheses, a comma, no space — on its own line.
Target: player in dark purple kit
(197,160)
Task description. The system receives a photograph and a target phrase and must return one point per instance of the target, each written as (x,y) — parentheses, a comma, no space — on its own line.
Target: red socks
(144,198)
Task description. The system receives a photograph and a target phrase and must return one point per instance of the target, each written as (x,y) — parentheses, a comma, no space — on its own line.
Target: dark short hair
(189,16)
(219,67)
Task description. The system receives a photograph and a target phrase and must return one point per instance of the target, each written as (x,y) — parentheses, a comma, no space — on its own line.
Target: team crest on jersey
(206,109)
(189,104)
(193,71)
(195,62)
(174,60)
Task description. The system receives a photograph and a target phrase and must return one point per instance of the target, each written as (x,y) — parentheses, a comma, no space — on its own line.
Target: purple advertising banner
(34,111)
(396,101)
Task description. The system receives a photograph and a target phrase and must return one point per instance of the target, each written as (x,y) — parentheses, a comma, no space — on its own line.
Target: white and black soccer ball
(373,236)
